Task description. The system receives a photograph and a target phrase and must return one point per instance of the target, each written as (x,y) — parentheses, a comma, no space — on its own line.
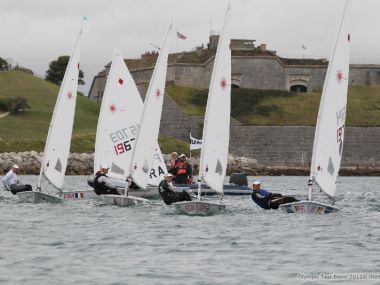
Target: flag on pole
(195,143)
(181,36)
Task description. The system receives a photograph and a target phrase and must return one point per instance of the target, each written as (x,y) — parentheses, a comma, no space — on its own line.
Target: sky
(35,32)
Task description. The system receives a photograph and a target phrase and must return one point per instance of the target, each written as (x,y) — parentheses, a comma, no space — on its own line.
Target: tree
(57,70)
(3,64)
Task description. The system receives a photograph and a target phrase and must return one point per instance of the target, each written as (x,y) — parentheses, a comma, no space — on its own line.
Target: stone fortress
(256,67)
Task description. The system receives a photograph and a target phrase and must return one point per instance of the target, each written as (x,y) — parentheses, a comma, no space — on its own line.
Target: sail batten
(119,123)
(216,130)
(329,133)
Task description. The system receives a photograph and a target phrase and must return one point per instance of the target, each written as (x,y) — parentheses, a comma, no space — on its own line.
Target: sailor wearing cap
(102,184)
(167,192)
(184,171)
(268,200)
(11,183)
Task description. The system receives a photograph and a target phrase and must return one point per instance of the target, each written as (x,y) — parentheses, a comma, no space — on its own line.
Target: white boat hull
(79,195)
(37,197)
(198,208)
(307,207)
(123,201)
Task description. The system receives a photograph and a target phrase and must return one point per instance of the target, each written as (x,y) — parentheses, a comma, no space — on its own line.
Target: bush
(3,64)
(3,104)
(17,105)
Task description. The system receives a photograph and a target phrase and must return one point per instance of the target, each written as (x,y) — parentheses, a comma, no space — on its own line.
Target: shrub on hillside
(17,105)
(3,64)
(3,104)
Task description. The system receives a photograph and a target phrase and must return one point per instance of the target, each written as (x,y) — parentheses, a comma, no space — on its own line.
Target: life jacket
(181,167)
(261,198)
(99,187)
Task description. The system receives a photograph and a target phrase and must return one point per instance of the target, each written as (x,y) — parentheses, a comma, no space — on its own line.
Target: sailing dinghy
(329,132)
(216,130)
(57,147)
(146,152)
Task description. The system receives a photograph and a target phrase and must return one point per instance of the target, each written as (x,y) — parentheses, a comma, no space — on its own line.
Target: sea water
(85,242)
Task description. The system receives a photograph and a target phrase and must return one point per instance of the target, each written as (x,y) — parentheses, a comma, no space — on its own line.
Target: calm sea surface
(83,242)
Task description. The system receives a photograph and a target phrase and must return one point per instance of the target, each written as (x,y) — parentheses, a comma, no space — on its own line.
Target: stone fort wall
(274,145)
(257,72)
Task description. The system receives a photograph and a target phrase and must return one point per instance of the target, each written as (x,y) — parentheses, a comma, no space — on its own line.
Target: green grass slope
(282,108)
(28,131)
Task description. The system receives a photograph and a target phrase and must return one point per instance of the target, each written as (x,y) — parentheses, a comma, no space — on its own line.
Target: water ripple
(86,242)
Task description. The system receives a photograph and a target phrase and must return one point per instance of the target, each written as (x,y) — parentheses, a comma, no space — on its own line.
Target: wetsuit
(169,195)
(17,188)
(101,187)
(268,200)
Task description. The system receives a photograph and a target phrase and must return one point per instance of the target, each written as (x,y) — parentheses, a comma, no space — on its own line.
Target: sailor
(184,171)
(102,184)
(167,192)
(268,200)
(11,182)
(173,163)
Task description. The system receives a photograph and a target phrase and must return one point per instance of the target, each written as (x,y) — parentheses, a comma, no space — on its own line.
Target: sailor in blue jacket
(268,200)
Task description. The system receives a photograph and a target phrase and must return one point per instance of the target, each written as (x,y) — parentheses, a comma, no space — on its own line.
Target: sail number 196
(123,147)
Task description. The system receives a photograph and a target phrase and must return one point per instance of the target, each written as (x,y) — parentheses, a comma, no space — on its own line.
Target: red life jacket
(181,167)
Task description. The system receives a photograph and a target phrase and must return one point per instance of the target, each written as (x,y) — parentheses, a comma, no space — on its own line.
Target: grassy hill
(279,108)
(28,131)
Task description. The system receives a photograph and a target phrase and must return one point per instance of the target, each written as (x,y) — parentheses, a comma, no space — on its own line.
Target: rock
(82,164)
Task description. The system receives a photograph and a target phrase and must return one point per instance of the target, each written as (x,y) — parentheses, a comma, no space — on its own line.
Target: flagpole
(190,142)
(176,43)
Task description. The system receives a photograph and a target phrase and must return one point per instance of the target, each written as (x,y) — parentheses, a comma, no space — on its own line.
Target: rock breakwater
(82,164)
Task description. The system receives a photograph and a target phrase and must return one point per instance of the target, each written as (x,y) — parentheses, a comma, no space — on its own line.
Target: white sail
(146,142)
(118,124)
(216,130)
(58,141)
(329,134)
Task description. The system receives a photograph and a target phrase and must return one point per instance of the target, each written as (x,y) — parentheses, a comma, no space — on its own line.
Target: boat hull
(198,208)
(123,201)
(307,207)
(79,195)
(152,191)
(37,197)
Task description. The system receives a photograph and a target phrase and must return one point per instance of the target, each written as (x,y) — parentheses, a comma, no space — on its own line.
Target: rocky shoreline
(82,164)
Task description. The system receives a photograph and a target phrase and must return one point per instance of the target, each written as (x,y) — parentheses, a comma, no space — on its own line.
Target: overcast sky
(35,32)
